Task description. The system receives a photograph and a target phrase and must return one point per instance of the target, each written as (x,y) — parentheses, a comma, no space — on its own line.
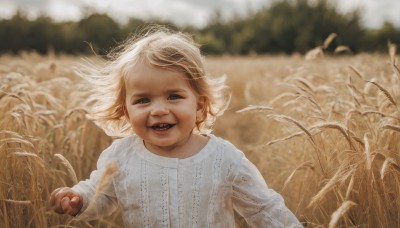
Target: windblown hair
(161,48)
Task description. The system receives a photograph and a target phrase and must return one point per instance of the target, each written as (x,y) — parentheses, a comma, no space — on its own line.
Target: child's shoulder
(231,158)
(122,146)
(127,141)
(228,149)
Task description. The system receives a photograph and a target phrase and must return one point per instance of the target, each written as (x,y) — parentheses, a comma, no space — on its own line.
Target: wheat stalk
(337,126)
(342,48)
(354,89)
(357,139)
(68,166)
(304,165)
(285,138)
(29,155)
(367,152)
(392,53)
(16,201)
(387,94)
(80,111)
(104,180)
(254,108)
(339,175)
(378,155)
(364,113)
(282,95)
(346,205)
(329,40)
(314,53)
(312,102)
(25,154)
(358,73)
(350,187)
(373,112)
(299,125)
(396,70)
(295,122)
(17,140)
(388,162)
(11,133)
(391,127)
(306,84)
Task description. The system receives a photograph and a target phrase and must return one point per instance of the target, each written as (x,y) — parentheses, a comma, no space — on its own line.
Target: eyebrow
(144,94)
(176,91)
(140,95)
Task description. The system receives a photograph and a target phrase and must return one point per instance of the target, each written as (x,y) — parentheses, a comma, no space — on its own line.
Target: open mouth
(162,127)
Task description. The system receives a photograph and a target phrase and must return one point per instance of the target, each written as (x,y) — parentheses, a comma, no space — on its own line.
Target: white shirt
(199,191)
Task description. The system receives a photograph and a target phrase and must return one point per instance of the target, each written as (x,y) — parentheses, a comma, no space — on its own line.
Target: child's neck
(192,146)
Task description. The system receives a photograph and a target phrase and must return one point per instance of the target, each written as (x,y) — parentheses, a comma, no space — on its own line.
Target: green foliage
(291,26)
(100,31)
(378,39)
(286,26)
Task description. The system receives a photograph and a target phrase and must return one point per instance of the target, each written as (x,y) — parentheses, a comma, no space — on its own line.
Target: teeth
(162,127)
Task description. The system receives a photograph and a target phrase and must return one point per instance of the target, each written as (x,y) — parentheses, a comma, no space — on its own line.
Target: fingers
(53,196)
(65,201)
(75,201)
(76,205)
(66,208)
(54,201)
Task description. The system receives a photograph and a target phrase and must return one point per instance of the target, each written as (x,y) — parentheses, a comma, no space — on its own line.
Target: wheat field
(325,133)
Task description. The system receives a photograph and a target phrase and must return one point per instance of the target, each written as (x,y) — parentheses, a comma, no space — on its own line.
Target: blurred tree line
(286,26)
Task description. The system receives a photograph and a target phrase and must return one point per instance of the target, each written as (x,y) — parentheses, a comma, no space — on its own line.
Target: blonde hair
(161,48)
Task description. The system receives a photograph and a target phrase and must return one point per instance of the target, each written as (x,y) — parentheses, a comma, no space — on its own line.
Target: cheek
(136,118)
(188,114)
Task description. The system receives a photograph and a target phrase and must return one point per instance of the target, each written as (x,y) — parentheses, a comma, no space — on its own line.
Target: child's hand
(66,201)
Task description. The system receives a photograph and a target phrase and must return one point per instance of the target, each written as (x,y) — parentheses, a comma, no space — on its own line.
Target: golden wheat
(104,181)
(69,167)
(339,213)
(340,169)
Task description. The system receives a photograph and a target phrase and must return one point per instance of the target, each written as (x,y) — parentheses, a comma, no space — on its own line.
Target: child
(171,172)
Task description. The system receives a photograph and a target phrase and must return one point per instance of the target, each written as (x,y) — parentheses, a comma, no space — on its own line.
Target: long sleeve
(199,191)
(259,205)
(103,202)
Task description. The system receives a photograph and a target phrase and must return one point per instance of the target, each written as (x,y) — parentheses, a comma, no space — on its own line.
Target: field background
(325,133)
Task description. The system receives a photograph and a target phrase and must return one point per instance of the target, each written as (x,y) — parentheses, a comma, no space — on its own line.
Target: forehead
(147,76)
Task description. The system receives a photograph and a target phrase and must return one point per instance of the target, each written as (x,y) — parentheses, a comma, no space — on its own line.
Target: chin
(163,143)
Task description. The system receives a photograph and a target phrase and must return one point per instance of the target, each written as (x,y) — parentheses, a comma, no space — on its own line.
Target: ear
(201,108)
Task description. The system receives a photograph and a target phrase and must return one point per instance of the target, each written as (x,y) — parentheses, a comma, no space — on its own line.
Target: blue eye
(143,100)
(174,97)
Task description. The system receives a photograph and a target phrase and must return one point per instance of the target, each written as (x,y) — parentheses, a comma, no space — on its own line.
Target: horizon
(195,13)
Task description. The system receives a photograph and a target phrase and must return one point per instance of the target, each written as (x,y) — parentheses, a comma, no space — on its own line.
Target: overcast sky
(194,12)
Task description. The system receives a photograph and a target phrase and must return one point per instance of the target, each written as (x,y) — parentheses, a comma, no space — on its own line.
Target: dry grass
(356,132)
(324,132)
(45,139)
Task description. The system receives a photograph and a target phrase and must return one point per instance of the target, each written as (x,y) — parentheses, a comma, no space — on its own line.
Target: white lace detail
(196,193)
(165,197)
(247,198)
(200,191)
(180,200)
(144,194)
(214,189)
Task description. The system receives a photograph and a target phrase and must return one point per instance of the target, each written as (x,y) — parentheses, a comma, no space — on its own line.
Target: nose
(159,109)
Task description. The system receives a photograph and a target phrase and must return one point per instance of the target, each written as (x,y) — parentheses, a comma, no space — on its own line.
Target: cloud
(194,12)
(374,13)
(36,4)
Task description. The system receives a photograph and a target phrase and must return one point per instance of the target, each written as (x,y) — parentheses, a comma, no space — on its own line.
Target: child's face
(161,107)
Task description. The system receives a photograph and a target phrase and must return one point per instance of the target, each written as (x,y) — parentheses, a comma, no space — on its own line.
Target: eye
(142,100)
(174,97)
